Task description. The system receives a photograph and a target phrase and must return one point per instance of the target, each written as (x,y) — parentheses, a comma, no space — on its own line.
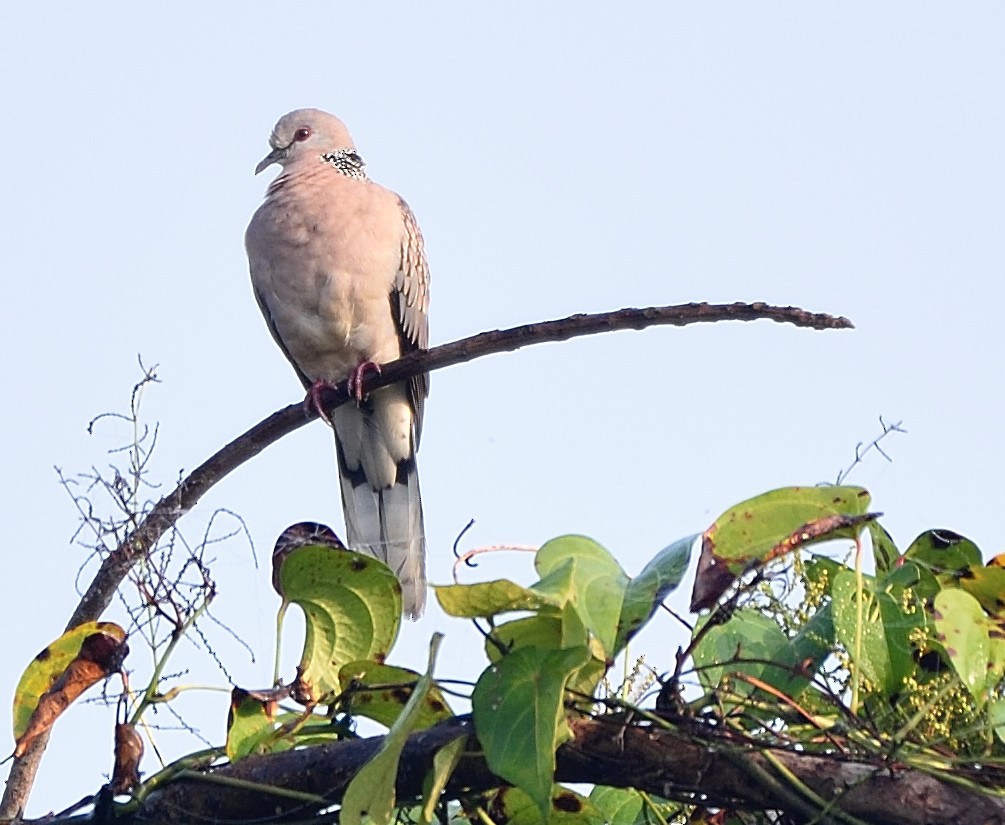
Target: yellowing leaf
(352,607)
(59,674)
(371,793)
(381,692)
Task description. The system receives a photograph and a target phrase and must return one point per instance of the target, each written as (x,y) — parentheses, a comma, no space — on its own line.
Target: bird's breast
(325,273)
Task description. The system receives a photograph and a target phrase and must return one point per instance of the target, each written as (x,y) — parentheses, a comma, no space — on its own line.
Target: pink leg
(313,400)
(355,381)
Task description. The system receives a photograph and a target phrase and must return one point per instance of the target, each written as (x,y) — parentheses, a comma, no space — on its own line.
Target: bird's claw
(355,381)
(313,402)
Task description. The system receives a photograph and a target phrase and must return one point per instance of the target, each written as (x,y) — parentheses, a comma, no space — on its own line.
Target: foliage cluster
(796,650)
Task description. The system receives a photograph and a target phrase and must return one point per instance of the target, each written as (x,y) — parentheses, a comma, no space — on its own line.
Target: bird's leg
(355,380)
(313,401)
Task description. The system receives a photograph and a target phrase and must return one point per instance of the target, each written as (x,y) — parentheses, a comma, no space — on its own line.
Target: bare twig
(141,540)
(861,450)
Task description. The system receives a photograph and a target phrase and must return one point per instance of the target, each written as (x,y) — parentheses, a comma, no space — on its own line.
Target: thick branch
(169,509)
(698,767)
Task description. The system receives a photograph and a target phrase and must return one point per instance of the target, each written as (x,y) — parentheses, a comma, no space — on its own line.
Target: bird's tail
(387,524)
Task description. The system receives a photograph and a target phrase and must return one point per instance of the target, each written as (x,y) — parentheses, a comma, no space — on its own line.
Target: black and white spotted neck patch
(347,162)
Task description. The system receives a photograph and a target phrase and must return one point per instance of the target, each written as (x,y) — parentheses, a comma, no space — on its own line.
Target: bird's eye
(302,133)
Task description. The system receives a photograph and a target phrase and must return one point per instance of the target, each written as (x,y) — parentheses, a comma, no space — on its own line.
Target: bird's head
(306,133)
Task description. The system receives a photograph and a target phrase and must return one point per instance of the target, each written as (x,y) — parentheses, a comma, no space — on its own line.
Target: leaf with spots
(963,629)
(46,667)
(370,795)
(381,692)
(57,676)
(944,553)
(128,755)
(514,807)
(986,583)
(763,528)
(519,716)
(352,608)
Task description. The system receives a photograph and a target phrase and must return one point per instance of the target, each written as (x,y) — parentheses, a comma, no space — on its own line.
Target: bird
(338,267)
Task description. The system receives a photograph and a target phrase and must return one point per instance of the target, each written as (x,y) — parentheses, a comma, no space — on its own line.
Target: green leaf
(862,633)
(352,607)
(753,644)
(381,692)
(646,592)
(996,665)
(613,607)
(821,571)
(620,806)
(252,725)
(730,648)
(892,608)
(884,551)
(944,552)
(474,601)
(996,717)
(577,571)
(963,630)
(519,718)
(564,807)
(755,529)
(771,525)
(444,762)
(371,793)
(914,579)
(598,583)
(804,654)
(551,630)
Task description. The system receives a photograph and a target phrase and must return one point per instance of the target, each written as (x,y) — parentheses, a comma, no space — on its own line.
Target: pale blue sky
(560,158)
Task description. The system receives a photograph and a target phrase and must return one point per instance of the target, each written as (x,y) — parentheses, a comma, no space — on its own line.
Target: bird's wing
(410,306)
(270,322)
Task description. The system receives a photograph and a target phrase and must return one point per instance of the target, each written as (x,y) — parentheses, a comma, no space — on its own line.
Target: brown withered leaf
(128,753)
(302,691)
(101,655)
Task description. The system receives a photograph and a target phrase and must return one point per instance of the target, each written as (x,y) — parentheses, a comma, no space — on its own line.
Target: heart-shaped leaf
(352,607)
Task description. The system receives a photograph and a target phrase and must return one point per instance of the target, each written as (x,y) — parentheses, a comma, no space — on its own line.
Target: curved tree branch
(166,512)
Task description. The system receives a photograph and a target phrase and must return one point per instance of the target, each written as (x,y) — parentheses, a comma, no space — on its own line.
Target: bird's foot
(355,381)
(313,402)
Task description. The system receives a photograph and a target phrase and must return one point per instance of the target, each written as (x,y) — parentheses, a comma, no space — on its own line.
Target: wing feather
(410,305)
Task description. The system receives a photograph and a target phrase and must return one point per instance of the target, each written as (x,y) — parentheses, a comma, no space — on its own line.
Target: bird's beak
(275,156)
